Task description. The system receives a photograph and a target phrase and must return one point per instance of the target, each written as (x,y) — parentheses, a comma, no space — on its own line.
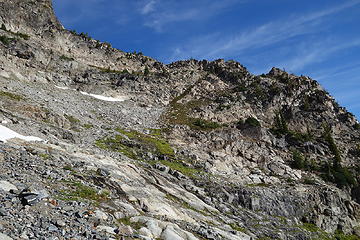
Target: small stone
(103,172)
(4,237)
(107,229)
(100,215)
(60,223)
(3,213)
(53,228)
(119,215)
(24,235)
(145,232)
(6,186)
(125,231)
(170,234)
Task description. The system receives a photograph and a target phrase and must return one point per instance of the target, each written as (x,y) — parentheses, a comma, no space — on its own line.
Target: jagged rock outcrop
(136,149)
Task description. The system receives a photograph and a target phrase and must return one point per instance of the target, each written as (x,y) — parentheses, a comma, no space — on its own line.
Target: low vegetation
(180,114)
(16,34)
(77,191)
(330,171)
(126,221)
(6,40)
(281,128)
(72,119)
(236,227)
(158,144)
(65,58)
(249,122)
(335,172)
(137,146)
(12,96)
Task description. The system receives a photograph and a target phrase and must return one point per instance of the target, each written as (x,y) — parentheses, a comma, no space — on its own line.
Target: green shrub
(309,181)
(240,88)
(280,125)
(343,177)
(22,35)
(356,151)
(253,122)
(297,137)
(298,160)
(6,40)
(204,124)
(65,58)
(332,146)
(146,71)
(306,104)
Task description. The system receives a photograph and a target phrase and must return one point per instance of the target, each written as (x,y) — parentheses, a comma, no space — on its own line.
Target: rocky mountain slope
(132,148)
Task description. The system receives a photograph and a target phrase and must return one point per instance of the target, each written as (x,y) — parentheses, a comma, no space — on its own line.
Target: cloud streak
(148,7)
(172,11)
(261,36)
(317,53)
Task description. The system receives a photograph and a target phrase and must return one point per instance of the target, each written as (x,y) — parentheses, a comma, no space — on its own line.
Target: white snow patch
(63,88)
(6,134)
(104,98)
(100,97)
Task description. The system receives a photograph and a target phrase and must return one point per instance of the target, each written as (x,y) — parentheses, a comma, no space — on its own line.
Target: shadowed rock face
(197,149)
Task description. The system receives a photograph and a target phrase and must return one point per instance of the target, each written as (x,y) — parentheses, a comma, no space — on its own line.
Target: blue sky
(320,39)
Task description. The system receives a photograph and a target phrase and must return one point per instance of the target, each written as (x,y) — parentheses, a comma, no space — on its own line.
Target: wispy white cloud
(217,46)
(171,11)
(148,7)
(316,52)
(349,70)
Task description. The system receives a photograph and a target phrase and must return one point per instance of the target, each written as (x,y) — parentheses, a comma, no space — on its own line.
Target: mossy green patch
(44,156)
(179,166)
(88,126)
(258,185)
(155,132)
(310,227)
(339,235)
(204,124)
(11,95)
(116,144)
(137,145)
(160,145)
(236,227)
(72,119)
(79,191)
(126,221)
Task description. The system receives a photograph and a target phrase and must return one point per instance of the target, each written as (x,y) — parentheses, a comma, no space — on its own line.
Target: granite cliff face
(136,149)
